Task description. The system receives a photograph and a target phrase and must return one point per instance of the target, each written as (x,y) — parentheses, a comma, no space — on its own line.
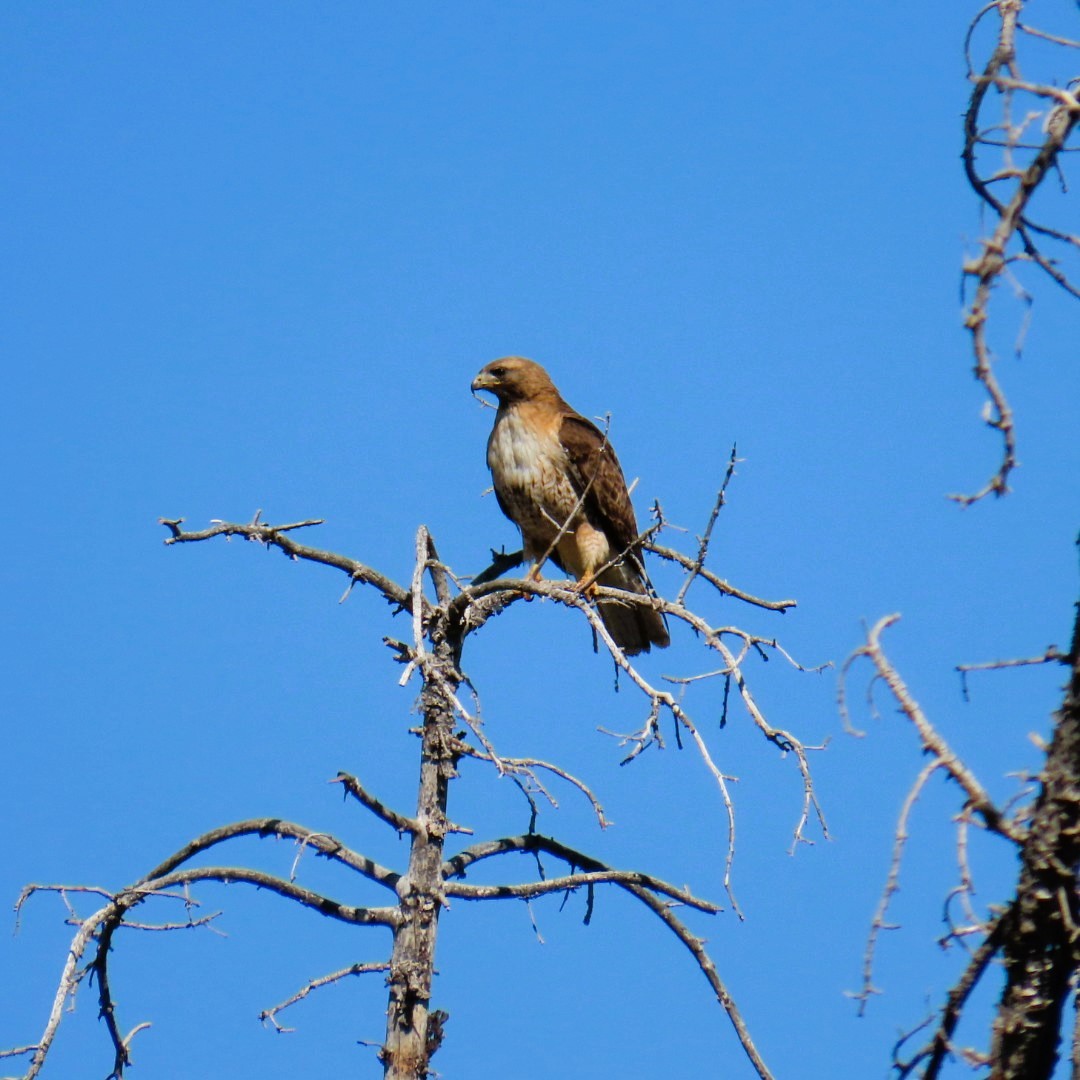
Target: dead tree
(442,612)
(1015,132)
(1037,934)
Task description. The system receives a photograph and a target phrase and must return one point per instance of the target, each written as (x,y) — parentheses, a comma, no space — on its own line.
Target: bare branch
(434,653)
(501,563)
(1001,72)
(532,842)
(532,889)
(892,884)
(595,872)
(526,767)
(18,1051)
(275,536)
(70,978)
(324,845)
(964,890)
(269,1015)
(440,574)
(932,742)
(940,1045)
(696,947)
(1052,655)
(706,536)
(229,875)
(786,742)
(1048,37)
(718,583)
(101,925)
(474,597)
(353,787)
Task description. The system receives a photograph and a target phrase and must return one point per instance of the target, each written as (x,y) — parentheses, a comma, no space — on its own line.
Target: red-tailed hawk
(552,466)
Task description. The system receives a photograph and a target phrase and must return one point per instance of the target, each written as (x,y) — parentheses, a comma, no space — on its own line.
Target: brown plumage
(545,459)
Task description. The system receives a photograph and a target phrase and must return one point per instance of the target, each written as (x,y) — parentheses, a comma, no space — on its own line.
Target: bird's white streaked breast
(529,470)
(516,450)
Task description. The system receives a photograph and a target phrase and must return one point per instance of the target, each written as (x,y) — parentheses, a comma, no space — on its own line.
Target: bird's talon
(587,587)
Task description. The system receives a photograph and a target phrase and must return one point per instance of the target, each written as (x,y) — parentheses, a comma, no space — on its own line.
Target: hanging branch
(1013,238)
(645,890)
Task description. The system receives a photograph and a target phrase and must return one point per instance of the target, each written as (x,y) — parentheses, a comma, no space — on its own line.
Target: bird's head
(513,378)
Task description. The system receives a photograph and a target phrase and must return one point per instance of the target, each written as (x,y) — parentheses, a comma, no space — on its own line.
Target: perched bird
(555,473)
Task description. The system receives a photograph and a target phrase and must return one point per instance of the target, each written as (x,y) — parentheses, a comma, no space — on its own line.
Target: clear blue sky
(254,255)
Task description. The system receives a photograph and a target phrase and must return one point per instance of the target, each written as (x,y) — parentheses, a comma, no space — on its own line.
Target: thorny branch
(1038,933)
(570,882)
(703,541)
(1015,134)
(1013,238)
(353,787)
(476,604)
(722,586)
(935,1050)
(663,700)
(933,743)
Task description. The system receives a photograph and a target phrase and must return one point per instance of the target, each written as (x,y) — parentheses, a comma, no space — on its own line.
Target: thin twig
(892,884)
(269,1015)
(526,766)
(706,536)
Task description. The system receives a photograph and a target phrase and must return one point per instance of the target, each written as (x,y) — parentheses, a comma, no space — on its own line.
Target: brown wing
(607,506)
(607,502)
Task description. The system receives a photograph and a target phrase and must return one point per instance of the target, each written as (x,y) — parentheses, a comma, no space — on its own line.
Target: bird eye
(498,372)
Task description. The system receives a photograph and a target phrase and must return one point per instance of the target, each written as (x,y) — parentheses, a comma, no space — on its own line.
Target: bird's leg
(586,586)
(533,575)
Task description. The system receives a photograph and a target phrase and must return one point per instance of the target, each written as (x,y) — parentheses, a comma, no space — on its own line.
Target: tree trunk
(413,1032)
(1041,947)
